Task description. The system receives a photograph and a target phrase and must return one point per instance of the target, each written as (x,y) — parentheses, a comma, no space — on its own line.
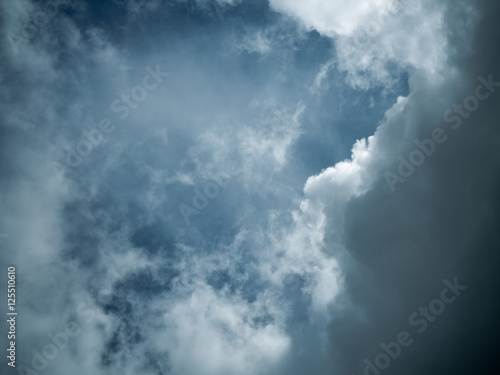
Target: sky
(212,187)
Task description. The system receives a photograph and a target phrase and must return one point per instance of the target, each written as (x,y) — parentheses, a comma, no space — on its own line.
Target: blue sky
(249,187)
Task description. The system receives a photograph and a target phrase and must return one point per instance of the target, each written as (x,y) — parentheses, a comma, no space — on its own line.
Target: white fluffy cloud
(376,40)
(332,18)
(209,333)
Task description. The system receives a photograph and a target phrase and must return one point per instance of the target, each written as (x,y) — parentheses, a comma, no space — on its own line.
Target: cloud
(376,41)
(333,18)
(297,266)
(395,259)
(220,334)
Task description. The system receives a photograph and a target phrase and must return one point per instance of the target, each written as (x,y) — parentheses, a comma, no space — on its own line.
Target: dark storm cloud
(440,224)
